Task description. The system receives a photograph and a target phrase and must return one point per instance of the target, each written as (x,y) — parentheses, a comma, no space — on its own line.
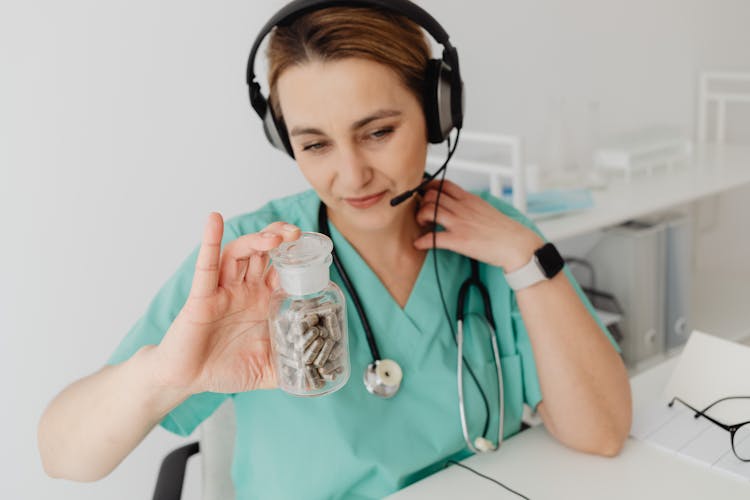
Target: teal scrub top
(351,444)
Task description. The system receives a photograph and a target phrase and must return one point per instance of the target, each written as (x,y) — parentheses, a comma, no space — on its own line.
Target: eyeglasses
(739,434)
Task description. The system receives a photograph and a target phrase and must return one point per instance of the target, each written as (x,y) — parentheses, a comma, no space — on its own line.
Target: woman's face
(359,137)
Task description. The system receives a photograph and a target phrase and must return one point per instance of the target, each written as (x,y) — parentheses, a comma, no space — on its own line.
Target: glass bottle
(307,319)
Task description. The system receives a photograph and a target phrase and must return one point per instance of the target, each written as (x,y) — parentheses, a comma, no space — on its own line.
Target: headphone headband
(297,8)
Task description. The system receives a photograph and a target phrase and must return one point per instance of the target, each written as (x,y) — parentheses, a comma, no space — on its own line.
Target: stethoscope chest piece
(383,378)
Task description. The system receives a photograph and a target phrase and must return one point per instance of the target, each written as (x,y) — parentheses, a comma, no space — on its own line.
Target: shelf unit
(710,94)
(712,169)
(502,159)
(720,301)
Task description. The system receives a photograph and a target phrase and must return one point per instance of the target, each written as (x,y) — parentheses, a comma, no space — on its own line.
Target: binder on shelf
(629,261)
(678,276)
(679,282)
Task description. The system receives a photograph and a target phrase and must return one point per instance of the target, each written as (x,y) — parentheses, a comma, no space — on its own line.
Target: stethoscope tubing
(324,228)
(459,377)
(473,280)
(463,293)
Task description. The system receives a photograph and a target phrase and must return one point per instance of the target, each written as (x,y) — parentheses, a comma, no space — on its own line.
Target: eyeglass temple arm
(724,399)
(699,413)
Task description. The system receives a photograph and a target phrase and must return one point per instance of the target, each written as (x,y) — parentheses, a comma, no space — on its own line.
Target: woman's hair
(340,32)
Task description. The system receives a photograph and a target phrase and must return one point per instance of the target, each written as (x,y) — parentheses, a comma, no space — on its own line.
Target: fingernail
(289,227)
(267,234)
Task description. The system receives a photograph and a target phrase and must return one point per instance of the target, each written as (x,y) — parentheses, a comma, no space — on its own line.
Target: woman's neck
(386,244)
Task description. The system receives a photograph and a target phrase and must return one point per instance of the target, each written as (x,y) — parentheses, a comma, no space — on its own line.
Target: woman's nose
(354,170)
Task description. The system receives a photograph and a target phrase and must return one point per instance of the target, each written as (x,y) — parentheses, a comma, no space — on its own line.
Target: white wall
(122,124)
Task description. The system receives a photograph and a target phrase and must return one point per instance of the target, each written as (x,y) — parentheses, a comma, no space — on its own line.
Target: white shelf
(720,301)
(711,170)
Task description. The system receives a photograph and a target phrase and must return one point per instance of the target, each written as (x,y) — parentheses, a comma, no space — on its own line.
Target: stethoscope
(383,377)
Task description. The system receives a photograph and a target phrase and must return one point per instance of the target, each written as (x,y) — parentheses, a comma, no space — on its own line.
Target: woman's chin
(374,218)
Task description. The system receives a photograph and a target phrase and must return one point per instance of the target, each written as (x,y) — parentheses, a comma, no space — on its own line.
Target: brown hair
(339,32)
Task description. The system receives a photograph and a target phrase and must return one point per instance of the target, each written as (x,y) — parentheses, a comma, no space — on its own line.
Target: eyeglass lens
(741,442)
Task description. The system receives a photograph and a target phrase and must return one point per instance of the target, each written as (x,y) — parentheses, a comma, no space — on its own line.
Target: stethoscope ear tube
(474,280)
(325,229)
(382,377)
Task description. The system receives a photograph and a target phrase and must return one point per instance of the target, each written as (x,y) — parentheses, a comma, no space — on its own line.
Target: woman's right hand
(219,341)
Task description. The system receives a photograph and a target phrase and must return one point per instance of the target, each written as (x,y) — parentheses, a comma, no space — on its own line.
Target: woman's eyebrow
(383,113)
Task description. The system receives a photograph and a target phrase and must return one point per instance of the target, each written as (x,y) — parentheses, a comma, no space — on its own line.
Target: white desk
(712,170)
(536,465)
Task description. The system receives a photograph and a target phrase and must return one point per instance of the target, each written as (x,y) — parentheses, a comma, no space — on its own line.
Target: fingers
(206,274)
(446,201)
(236,255)
(245,258)
(450,188)
(426,214)
(256,266)
(443,239)
(259,264)
(431,194)
(453,202)
(272,278)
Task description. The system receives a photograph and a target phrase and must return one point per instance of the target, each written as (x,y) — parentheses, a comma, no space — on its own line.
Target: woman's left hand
(475,228)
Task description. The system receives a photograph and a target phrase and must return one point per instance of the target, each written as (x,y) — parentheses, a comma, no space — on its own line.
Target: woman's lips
(366,201)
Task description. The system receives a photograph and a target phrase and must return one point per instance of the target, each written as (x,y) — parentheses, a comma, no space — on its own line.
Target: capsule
(328,368)
(312,352)
(307,338)
(295,306)
(300,382)
(313,377)
(336,353)
(282,347)
(340,315)
(331,371)
(294,333)
(288,375)
(281,326)
(334,327)
(325,352)
(306,319)
(287,361)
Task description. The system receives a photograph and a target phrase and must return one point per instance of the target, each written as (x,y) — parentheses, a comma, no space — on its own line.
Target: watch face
(550,260)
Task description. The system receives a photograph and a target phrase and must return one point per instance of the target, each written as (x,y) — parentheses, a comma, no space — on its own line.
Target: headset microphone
(408,194)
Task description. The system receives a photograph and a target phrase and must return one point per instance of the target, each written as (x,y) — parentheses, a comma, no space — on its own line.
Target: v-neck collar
(350,254)
(423,310)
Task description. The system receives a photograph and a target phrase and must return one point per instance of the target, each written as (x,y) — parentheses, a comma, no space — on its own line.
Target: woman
(348,84)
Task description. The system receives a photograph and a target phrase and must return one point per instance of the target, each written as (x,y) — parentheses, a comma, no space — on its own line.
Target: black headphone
(444,93)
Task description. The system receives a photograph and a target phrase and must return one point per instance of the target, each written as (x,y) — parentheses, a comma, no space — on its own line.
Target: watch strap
(525,276)
(545,263)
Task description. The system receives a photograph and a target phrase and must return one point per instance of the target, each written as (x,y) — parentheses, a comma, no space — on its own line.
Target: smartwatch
(544,264)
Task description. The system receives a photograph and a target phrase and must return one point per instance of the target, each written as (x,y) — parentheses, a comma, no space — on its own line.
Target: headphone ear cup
(276,132)
(437,101)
